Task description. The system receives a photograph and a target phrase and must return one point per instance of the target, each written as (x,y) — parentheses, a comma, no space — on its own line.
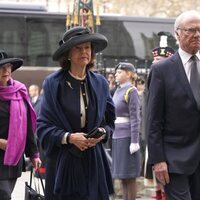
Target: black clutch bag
(94,133)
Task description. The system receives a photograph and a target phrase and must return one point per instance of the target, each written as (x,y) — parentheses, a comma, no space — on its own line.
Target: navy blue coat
(67,176)
(173,118)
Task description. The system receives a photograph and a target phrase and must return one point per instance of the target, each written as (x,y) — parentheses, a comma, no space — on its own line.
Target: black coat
(12,172)
(67,176)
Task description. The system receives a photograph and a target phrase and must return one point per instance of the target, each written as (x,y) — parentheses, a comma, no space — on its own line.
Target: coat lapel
(97,97)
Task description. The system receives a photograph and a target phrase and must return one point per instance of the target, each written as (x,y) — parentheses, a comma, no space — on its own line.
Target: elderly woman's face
(5,74)
(80,55)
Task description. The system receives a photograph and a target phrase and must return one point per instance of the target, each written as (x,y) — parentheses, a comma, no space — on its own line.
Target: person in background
(34,93)
(17,125)
(35,97)
(173,113)
(125,142)
(112,87)
(112,83)
(140,84)
(75,101)
(159,53)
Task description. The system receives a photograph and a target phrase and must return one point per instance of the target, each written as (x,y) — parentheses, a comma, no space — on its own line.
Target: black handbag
(94,133)
(34,193)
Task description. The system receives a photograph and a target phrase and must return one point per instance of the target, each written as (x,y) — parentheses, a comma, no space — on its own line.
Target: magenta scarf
(16,93)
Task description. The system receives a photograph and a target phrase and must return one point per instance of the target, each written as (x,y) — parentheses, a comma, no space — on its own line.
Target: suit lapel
(179,72)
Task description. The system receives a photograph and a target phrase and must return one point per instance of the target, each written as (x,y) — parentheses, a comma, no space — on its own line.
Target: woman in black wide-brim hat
(76,100)
(17,126)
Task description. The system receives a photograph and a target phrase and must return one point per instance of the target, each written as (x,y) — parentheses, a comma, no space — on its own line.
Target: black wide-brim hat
(4,59)
(78,35)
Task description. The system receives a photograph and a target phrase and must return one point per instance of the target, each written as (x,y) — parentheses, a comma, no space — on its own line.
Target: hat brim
(16,62)
(98,41)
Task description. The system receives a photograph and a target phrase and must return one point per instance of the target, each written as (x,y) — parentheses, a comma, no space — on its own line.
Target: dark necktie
(195,80)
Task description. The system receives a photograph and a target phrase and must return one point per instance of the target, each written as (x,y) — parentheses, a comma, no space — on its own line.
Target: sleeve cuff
(36,155)
(64,138)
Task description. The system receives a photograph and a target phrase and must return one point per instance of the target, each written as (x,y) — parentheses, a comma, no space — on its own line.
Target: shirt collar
(186,56)
(125,84)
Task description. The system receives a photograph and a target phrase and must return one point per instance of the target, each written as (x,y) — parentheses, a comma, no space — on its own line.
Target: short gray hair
(183,16)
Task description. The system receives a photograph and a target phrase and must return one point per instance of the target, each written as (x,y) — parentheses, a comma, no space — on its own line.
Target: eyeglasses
(190,30)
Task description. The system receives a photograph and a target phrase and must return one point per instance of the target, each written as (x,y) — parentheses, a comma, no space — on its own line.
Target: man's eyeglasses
(190,30)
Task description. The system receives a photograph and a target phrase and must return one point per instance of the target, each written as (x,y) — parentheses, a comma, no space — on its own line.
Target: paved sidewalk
(19,191)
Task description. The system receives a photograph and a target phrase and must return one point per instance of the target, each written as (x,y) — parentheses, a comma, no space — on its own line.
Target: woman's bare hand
(79,140)
(83,143)
(3,144)
(36,163)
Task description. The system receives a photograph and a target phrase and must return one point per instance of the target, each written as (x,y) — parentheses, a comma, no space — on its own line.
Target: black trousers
(183,187)
(195,184)
(6,188)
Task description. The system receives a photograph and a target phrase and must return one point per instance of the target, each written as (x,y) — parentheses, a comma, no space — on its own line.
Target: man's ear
(176,35)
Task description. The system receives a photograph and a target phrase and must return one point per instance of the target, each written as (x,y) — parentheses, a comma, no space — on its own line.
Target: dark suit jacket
(36,105)
(173,118)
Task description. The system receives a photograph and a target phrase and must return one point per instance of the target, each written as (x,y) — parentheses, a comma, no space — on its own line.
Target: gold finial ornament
(90,20)
(76,22)
(98,22)
(68,20)
(83,15)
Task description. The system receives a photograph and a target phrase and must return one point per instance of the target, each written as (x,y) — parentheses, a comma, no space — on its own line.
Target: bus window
(43,36)
(132,39)
(34,37)
(120,43)
(12,36)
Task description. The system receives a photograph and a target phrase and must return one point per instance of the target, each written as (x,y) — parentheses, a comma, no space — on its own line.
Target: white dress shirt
(185,58)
